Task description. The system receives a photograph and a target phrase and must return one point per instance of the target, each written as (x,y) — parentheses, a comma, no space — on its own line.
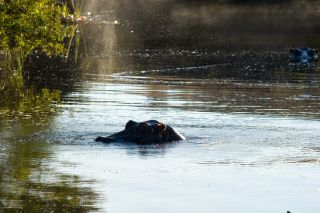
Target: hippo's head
(303,55)
(144,132)
(147,132)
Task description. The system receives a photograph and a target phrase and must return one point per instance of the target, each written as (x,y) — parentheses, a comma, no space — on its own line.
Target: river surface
(252,145)
(216,74)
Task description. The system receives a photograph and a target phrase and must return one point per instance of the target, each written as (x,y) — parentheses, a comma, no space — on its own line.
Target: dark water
(251,121)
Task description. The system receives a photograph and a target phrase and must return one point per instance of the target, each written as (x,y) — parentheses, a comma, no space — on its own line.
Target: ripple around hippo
(147,132)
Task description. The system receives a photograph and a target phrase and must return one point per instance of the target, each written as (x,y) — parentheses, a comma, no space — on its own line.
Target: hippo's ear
(317,51)
(162,127)
(291,50)
(130,124)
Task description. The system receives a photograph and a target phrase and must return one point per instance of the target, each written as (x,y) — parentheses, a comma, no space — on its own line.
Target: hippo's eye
(159,127)
(143,127)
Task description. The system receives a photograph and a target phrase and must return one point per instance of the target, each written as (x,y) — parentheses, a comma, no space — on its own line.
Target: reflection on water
(246,134)
(260,82)
(256,136)
(29,181)
(251,120)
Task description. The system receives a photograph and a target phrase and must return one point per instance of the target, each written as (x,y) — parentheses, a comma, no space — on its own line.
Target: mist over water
(212,24)
(281,25)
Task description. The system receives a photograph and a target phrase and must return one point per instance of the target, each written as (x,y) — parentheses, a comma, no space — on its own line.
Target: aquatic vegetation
(29,27)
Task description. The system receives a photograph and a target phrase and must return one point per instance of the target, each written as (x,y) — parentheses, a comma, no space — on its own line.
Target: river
(251,145)
(251,123)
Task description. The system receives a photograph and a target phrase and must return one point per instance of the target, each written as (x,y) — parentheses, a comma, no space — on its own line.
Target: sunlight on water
(216,72)
(235,154)
(103,108)
(250,142)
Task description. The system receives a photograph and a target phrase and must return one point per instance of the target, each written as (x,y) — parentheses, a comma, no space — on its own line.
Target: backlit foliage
(31,25)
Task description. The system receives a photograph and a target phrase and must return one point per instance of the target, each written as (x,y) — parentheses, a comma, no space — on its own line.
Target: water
(250,119)
(243,159)
(252,145)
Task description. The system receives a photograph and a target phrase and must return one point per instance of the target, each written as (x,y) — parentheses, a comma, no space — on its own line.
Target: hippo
(303,55)
(147,132)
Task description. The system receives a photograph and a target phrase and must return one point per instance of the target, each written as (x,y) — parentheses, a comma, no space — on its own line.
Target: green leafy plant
(29,27)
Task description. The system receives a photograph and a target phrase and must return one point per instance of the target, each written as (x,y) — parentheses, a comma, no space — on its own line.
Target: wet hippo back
(147,132)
